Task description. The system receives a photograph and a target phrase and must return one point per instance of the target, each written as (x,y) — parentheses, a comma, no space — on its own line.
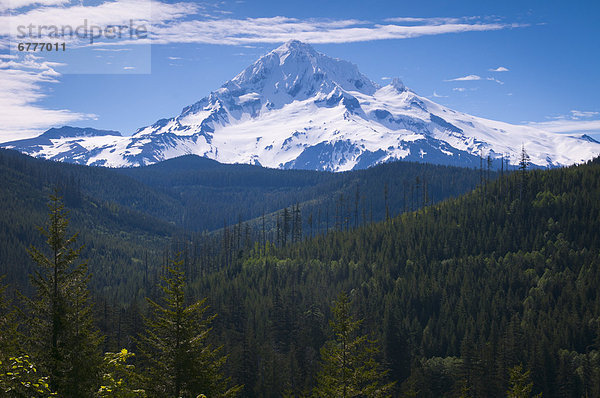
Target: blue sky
(448,51)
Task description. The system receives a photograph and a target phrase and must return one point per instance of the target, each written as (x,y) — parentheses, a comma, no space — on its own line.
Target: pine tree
(64,341)
(180,361)
(523,166)
(297,232)
(525,159)
(349,367)
(520,384)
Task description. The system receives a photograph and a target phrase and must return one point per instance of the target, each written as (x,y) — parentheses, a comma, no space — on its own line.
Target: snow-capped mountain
(297,108)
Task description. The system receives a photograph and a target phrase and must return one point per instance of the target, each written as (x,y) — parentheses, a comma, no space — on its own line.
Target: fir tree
(180,360)
(349,366)
(520,384)
(64,341)
(524,163)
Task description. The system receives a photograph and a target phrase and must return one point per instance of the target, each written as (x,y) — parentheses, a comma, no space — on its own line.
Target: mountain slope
(122,243)
(212,194)
(297,108)
(505,275)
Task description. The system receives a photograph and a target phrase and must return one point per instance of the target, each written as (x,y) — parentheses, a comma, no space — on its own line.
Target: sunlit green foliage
(520,383)
(119,379)
(19,378)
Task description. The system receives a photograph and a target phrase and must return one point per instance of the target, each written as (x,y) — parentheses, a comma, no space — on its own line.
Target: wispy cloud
(464,89)
(22,82)
(494,80)
(574,122)
(470,78)
(174,58)
(583,114)
(433,20)
(185,22)
(499,69)
(17,4)
(436,95)
(568,126)
(114,50)
(103,15)
(464,78)
(281,29)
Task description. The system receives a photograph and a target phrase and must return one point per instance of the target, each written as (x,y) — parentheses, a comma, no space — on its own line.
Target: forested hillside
(123,244)
(213,194)
(458,293)
(126,218)
(490,292)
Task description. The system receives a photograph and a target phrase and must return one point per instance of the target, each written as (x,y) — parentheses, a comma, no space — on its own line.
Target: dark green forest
(458,293)
(126,218)
(439,289)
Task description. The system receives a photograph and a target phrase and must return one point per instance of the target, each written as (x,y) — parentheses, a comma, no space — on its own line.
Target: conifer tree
(63,339)
(520,384)
(180,360)
(524,163)
(349,366)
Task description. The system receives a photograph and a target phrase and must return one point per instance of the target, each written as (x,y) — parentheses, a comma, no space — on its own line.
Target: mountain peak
(397,84)
(299,70)
(294,46)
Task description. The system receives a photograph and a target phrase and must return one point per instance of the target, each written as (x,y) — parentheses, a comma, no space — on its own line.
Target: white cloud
(436,95)
(469,78)
(191,22)
(281,29)
(463,89)
(464,78)
(16,4)
(494,80)
(386,78)
(129,67)
(103,15)
(434,20)
(574,122)
(568,126)
(174,58)
(184,22)
(116,50)
(21,87)
(499,69)
(583,114)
